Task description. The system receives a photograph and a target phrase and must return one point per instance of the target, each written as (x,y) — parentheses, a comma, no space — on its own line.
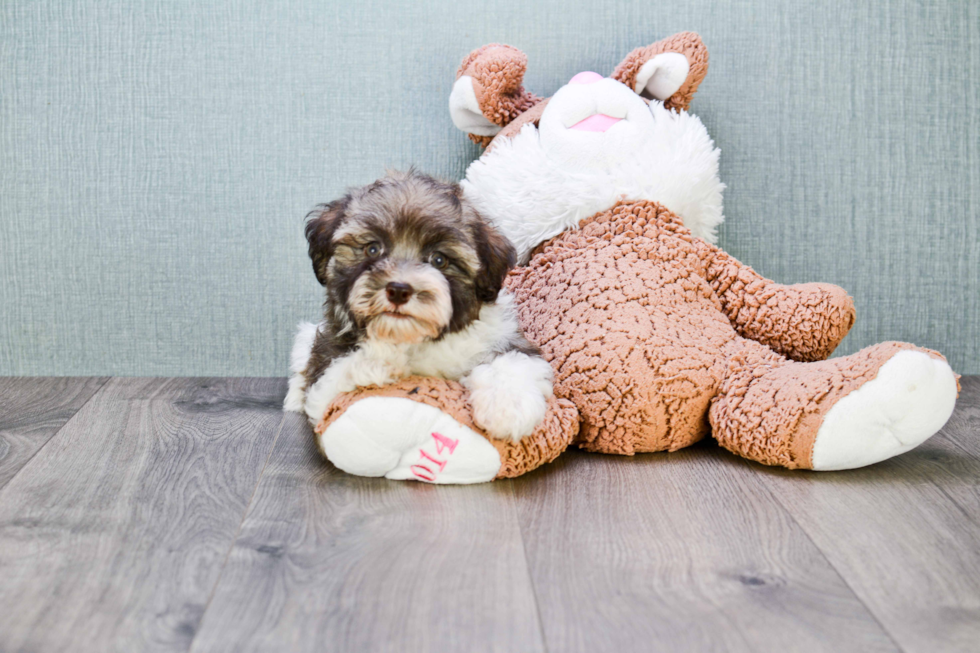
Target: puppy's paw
(510,395)
(296,395)
(334,381)
(507,415)
(365,372)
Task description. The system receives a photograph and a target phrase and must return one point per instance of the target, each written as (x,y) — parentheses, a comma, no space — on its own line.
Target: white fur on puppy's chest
(509,391)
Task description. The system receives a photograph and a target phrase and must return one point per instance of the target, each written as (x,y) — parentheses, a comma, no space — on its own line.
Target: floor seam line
(530,576)
(963,511)
(955,443)
(843,579)
(56,433)
(932,480)
(238,532)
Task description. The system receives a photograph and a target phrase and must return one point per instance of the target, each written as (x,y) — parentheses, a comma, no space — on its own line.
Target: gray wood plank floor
(32,411)
(192,515)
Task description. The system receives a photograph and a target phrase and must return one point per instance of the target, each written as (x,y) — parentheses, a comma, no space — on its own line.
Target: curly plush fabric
(553,435)
(687,43)
(770,409)
(648,330)
(497,71)
(531,116)
(658,338)
(804,322)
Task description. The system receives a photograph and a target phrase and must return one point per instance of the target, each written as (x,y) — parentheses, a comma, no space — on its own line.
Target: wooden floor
(193,515)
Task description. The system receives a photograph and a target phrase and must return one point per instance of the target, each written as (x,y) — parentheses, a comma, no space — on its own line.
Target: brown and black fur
(413,212)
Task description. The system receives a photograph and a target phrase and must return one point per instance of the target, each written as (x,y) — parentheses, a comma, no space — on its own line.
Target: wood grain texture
(32,410)
(328,561)
(679,552)
(112,537)
(956,465)
(190,514)
(904,534)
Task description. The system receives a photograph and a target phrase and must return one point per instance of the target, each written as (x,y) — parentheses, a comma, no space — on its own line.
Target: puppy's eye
(373,250)
(438,261)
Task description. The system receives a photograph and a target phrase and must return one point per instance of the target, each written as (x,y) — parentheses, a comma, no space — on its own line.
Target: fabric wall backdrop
(157,159)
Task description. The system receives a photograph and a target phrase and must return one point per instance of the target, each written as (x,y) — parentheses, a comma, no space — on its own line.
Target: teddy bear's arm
(804,322)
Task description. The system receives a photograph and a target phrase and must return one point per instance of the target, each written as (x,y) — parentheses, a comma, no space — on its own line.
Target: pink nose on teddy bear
(587,77)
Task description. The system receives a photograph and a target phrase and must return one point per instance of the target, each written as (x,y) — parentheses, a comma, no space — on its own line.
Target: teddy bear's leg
(837,414)
(421,429)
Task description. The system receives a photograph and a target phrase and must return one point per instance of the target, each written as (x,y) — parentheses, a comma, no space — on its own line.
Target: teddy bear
(610,192)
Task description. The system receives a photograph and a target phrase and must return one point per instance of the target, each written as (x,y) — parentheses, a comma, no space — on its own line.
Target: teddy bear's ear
(488,93)
(668,70)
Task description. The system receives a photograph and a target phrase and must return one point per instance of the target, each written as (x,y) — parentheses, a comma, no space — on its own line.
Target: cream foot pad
(908,401)
(421,429)
(401,439)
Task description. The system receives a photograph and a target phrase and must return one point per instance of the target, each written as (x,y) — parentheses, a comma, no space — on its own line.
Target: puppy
(413,278)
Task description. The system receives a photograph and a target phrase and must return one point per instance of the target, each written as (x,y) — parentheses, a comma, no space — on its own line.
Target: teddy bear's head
(549,163)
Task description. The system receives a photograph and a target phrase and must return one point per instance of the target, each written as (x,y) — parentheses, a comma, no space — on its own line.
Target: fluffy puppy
(413,278)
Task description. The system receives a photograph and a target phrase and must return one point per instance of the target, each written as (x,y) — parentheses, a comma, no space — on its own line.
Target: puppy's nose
(587,77)
(398,293)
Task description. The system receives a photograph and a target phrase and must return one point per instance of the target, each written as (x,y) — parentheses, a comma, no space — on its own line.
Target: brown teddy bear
(610,192)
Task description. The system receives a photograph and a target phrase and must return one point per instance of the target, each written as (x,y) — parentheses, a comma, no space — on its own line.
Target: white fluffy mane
(532,198)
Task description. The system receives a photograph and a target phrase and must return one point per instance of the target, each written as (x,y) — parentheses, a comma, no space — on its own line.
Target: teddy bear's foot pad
(402,439)
(909,400)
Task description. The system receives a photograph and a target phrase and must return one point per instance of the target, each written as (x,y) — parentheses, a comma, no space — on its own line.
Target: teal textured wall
(157,158)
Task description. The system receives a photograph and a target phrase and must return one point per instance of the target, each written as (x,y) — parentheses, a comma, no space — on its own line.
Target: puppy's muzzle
(398,293)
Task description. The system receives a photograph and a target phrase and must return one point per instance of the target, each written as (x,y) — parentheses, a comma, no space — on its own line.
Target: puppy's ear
(320,227)
(497,256)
